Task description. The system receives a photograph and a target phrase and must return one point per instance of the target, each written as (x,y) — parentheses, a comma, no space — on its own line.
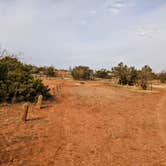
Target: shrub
(145,74)
(126,75)
(82,73)
(103,73)
(16,81)
(50,71)
(132,77)
(162,77)
(121,73)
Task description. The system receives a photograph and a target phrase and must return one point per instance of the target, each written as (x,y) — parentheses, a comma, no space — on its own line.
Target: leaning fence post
(39,101)
(25,112)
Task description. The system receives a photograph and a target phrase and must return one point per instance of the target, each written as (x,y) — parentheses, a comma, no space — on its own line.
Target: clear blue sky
(97,33)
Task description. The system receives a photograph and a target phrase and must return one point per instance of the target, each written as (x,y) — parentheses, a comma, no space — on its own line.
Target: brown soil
(90,124)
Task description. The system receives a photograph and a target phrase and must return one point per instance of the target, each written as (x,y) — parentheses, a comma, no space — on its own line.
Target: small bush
(126,75)
(103,73)
(51,71)
(145,74)
(162,77)
(82,73)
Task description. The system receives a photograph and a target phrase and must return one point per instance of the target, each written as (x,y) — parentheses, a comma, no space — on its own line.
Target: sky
(96,33)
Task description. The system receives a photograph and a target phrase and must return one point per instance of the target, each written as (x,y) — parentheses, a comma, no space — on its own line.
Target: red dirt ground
(91,124)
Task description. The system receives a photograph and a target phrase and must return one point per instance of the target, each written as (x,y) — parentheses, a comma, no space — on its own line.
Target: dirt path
(104,127)
(90,125)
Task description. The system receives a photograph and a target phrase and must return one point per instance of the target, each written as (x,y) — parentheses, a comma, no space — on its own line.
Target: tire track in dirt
(62,156)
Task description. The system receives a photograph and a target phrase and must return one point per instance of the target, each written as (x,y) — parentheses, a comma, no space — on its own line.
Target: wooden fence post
(39,101)
(25,112)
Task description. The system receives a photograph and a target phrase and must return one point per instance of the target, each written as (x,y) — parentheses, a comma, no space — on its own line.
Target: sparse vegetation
(18,84)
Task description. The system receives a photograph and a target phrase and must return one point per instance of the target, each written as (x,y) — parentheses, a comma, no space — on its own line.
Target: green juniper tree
(17,82)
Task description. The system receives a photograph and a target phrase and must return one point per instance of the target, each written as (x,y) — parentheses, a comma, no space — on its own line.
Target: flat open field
(91,124)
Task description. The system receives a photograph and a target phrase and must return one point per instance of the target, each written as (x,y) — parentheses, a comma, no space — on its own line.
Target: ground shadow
(35,119)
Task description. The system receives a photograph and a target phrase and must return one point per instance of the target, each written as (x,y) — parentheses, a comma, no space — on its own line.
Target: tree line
(17,82)
(125,75)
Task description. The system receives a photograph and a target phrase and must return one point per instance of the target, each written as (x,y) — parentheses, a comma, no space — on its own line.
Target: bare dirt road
(91,124)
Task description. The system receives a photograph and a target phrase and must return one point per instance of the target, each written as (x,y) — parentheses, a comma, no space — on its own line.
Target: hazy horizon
(95,33)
